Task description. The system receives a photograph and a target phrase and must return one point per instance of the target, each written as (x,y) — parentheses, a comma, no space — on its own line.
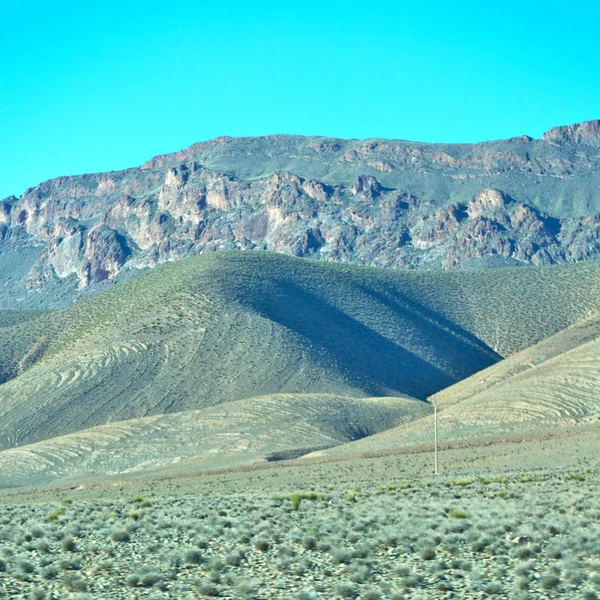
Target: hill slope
(551,387)
(375,202)
(229,326)
(232,434)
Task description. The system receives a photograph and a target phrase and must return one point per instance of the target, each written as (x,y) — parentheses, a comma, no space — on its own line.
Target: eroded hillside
(228,326)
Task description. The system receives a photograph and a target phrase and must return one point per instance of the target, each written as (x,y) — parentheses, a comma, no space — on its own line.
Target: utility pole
(435,406)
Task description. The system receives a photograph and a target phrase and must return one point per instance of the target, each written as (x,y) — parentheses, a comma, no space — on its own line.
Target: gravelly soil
(518,536)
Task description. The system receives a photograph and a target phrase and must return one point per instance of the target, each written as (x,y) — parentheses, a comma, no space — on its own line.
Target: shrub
(49,572)
(74,583)
(43,547)
(208,589)
(150,579)
(493,588)
(549,581)
(309,543)
(194,557)
(26,566)
(70,564)
(201,542)
(37,532)
(345,590)
(38,594)
(68,544)
(523,552)
(428,554)
(341,556)
(457,513)
(262,544)
(245,589)
(119,535)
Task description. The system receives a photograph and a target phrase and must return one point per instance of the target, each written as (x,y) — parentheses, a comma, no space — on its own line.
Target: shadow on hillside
(370,361)
(437,327)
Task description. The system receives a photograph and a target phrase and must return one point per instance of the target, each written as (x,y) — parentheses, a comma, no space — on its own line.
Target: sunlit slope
(232,434)
(228,326)
(550,387)
(554,383)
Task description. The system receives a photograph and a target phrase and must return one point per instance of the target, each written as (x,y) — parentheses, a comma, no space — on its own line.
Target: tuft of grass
(56,514)
(297,497)
(462,481)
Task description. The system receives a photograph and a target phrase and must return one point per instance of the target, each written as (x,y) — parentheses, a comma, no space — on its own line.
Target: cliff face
(580,133)
(375,202)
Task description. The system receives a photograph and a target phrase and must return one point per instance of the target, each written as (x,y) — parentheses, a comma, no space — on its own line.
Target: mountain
(229,326)
(373,202)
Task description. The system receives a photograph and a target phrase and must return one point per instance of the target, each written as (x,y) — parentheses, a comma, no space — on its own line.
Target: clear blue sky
(94,86)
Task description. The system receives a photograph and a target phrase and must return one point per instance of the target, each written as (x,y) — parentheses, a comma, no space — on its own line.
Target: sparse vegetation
(206,537)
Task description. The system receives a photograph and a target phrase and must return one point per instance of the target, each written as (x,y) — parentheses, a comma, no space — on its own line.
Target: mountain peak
(587,132)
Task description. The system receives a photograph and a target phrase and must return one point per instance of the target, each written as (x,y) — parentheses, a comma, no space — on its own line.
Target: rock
(380,166)
(487,200)
(579,133)
(366,186)
(521,539)
(5,209)
(106,251)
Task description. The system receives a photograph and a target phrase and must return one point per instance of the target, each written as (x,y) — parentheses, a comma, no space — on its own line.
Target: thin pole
(435,403)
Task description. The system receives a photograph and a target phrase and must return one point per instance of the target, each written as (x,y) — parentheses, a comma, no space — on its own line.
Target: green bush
(458,513)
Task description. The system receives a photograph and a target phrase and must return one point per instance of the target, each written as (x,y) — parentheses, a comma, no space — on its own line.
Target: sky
(97,86)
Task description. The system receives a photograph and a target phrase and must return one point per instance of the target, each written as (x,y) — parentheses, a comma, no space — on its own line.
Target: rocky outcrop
(580,133)
(106,251)
(374,202)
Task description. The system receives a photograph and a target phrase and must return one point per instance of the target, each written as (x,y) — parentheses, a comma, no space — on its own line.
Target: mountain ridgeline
(373,202)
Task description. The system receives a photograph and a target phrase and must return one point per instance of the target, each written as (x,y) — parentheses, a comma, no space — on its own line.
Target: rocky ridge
(374,202)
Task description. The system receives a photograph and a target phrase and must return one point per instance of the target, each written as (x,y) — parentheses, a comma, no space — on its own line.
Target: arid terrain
(219,373)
